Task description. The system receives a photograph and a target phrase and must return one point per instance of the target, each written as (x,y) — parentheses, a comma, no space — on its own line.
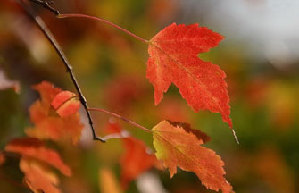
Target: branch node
(48,34)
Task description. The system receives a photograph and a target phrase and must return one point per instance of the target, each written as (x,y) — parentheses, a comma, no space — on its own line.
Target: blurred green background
(260,56)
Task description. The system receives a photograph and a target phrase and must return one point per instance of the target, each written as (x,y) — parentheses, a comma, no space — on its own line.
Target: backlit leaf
(50,125)
(38,178)
(173,59)
(177,146)
(65,103)
(34,148)
(136,159)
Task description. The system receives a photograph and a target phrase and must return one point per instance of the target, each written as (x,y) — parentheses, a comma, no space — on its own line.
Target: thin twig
(46,5)
(121,118)
(48,34)
(104,21)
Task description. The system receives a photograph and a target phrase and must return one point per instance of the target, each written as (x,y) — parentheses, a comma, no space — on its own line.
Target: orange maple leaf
(34,148)
(177,146)
(136,159)
(65,103)
(173,59)
(48,124)
(38,178)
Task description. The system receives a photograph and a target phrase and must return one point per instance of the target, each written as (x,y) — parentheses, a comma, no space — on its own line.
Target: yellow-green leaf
(177,146)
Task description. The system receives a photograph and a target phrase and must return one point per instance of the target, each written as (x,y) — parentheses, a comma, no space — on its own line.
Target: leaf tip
(235,136)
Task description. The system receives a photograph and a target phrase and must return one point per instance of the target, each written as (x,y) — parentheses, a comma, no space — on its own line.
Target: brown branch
(46,5)
(121,118)
(48,34)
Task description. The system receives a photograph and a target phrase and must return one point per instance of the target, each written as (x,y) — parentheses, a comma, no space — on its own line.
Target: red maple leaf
(65,103)
(39,178)
(173,59)
(136,159)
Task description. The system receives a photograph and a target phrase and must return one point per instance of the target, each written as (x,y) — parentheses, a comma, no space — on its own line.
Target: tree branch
(48,34)
(46,5)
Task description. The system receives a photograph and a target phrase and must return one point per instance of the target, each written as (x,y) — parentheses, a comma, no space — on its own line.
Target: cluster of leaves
(172,59)
(36,158)
(56,117)
(177,145)
(109,69)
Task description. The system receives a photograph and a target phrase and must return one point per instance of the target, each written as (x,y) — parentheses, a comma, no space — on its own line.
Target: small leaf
(34,148)
(173,59)
(47,91)
(38,178)
(177,146)
(65,103)
(136,160)
(48,125)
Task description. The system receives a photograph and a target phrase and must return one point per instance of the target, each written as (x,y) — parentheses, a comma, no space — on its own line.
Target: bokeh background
(260,55)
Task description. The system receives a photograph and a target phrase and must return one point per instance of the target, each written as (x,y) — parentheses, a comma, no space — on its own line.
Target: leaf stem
(71,15)
(121,118)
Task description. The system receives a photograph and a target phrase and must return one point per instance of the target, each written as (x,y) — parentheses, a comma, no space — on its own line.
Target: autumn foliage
(142,96)
(173,58)
(179,146)
(36,158)
(55,116)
